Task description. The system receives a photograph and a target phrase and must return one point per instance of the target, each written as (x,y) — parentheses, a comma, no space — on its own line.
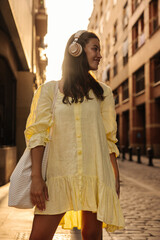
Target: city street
(140,200)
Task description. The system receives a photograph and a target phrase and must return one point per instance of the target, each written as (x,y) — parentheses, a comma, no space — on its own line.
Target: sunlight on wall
(64,19)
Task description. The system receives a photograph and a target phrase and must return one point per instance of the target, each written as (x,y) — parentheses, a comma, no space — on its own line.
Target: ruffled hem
(83,193)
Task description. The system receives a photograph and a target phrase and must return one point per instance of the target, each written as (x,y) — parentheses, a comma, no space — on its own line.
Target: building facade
(129,32)
(23,25)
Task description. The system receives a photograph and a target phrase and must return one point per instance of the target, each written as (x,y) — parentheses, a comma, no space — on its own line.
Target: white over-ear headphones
(75,49)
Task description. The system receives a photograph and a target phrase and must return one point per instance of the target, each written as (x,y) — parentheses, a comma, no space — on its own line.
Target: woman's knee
(91,234)
(91,227)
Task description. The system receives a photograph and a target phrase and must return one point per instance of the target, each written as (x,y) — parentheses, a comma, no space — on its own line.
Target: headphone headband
(78,34)
(75,49)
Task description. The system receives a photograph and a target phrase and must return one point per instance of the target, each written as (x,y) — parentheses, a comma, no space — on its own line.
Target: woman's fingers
(46,193)
(41,201)
(39,194)
(33,199)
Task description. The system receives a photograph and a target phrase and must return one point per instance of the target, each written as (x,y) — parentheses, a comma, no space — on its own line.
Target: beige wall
(24,98)
(22,13)
(23,27)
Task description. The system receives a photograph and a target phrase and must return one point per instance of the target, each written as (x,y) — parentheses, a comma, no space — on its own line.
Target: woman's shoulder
(107,89)
(49,86)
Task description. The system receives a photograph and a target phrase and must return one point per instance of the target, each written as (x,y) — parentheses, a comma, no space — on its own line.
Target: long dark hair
(75,72)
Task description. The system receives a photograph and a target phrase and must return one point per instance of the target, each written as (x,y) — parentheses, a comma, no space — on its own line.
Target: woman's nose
(99,54)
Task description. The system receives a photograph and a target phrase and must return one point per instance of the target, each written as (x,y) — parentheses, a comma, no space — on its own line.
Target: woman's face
(92,50)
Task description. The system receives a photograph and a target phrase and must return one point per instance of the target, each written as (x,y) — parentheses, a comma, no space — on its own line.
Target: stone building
(130,32)
(23,25)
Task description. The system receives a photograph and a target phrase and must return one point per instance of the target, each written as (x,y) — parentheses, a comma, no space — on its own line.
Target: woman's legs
(91,227)
(44,226)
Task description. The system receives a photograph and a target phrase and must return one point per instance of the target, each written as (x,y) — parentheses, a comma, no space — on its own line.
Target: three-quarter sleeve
(109,119)
(40,118)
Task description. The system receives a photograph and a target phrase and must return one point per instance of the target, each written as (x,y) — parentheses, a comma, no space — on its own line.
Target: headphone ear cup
(75,49)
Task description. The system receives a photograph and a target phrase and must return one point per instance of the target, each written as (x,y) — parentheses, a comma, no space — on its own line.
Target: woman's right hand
(39,192)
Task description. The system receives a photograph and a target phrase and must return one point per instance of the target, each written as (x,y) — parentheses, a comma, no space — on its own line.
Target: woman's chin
(94,68)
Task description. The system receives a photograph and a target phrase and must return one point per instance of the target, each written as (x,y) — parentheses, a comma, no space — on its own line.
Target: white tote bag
(20,180)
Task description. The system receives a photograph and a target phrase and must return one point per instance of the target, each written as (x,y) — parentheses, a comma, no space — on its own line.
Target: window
(138,37)
(141,39)
(125,15)
(125,52)
(106,74)
(135,38)
(135,4)
(115,33)
(115,66)
(116,96)
(155,68)
(125,91)
(153,16)
(138,77)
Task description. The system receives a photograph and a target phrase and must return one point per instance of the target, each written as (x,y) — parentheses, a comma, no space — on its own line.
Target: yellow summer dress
(80,175)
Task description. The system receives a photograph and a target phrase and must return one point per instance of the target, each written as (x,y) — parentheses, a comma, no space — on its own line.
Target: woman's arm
(116,172)
(39,192)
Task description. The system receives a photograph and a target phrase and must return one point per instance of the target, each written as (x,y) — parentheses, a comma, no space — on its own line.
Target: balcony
(41,22)
(43,62)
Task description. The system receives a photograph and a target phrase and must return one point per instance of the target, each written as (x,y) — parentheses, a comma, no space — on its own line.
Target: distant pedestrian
(83,185)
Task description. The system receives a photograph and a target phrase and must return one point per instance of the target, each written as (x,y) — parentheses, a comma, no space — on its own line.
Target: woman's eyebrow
(95,45)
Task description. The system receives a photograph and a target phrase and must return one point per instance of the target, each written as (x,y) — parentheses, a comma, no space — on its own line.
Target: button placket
(77,112)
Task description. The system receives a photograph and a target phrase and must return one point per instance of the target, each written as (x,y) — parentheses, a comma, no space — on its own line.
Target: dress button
(77,118)
(79,152)
(79,136)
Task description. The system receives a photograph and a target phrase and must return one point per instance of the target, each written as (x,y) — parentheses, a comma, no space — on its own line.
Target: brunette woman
(83,184)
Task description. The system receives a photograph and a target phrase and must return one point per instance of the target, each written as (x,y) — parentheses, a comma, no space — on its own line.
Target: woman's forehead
(93,42)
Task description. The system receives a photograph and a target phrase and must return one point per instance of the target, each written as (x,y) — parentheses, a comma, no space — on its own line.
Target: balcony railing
(41,19)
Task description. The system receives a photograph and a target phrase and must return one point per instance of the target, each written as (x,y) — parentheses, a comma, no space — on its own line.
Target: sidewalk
(144,160)
(140,201)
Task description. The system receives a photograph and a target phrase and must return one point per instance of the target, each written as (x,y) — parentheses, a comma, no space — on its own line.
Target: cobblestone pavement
(140,201)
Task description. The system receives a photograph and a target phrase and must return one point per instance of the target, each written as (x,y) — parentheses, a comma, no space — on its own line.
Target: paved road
(140,200)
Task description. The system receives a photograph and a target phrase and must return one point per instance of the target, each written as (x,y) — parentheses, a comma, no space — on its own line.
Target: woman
(83,185)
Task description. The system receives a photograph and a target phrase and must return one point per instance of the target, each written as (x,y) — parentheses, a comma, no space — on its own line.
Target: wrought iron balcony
(41,22)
